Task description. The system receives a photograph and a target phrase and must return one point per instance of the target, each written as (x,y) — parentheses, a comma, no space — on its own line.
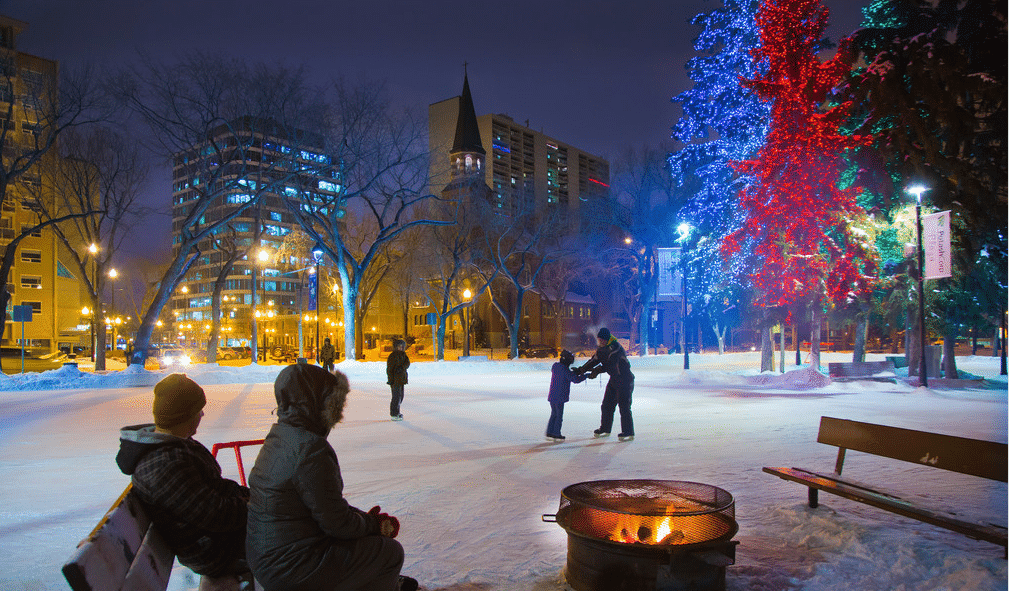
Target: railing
(236,445)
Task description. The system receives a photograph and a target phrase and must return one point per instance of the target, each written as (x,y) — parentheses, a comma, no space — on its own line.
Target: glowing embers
(654,512)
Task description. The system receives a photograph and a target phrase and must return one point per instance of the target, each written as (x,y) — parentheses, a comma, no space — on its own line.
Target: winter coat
(612,359)
(298,518)
(200,514)
(327,354)
(561,378)
(395,368)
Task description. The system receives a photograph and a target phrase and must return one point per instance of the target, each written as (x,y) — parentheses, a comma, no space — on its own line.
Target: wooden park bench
(985,459)
(877,371)
(125,552)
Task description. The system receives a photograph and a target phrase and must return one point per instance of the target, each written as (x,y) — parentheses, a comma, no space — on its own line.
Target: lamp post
(917,190)
(465,320)
(93,249)
(317,252)
(684,230)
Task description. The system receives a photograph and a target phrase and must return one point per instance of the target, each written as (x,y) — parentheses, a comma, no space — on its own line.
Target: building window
(37,233)
(31,282)
(36,306)
(31,256)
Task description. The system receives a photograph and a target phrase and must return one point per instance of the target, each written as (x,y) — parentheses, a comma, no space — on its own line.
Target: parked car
(537,351)
(283,354)
(169,355)
(34,360)
(242,352)
(227,353)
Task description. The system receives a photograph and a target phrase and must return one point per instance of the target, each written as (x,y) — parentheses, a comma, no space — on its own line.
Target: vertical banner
(670,285)
(936,243)
(313,292)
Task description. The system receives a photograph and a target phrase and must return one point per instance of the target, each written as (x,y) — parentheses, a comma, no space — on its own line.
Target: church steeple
(467,153)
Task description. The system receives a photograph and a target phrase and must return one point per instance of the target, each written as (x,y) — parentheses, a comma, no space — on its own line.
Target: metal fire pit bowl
(647,535)
(650,512)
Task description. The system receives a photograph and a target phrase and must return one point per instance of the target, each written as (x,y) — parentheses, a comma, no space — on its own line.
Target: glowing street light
(917,190)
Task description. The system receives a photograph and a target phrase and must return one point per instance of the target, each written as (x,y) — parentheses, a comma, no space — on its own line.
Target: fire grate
(652,512)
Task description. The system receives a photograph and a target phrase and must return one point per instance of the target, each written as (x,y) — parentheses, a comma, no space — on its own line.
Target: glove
(594,374)
(578,371)
(388,525)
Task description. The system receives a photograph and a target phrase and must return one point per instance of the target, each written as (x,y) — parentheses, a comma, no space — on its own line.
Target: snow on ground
(469,474)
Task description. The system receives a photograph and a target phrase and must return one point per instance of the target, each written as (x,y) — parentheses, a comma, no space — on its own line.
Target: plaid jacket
(201,515)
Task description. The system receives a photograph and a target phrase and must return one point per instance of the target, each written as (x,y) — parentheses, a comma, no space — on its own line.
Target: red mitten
(376,510)
(388,525)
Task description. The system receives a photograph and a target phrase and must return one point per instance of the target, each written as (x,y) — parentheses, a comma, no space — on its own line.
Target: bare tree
(381,159)
(211,115)
(98,179)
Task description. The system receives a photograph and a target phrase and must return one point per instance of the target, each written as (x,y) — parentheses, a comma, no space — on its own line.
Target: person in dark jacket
(327,355)
(611,358)
(395,369)
(303,535)
(201,515)
(561,378)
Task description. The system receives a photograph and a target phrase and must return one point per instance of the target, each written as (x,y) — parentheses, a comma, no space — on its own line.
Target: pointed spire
(467,131)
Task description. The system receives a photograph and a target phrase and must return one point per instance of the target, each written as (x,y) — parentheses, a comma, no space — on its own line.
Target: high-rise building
(43,276)
(526,170)
(273,168)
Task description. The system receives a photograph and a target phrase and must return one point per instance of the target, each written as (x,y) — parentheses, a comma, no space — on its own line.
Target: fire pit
(647,535)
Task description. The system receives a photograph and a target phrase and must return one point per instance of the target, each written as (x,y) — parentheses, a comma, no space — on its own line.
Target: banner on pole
(670,282)
(935,236)
(313,292)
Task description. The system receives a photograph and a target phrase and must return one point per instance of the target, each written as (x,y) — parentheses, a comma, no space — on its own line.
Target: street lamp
(317,252)
(465,318)
(917,190)
(684,231)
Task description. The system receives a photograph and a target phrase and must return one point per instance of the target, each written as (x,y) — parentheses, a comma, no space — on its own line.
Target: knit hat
(604,334)
(176,400)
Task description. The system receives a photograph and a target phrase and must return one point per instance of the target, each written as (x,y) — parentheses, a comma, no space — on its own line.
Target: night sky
(595,74)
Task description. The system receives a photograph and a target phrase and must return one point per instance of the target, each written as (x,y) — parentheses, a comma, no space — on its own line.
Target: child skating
(561,378)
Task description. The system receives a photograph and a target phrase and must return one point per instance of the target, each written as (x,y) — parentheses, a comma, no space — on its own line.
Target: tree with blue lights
(722,121)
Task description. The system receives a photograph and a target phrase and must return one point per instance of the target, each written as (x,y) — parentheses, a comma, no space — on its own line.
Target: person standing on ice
(303,534)
(395,370)
(199,514)
(561,378)
(327,355)
(611,358)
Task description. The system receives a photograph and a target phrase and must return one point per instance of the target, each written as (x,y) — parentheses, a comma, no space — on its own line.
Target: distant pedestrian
(611,358)
(561,378)
(327,354)
(395,369)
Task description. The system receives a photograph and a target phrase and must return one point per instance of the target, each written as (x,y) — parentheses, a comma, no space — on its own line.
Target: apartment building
(42,277)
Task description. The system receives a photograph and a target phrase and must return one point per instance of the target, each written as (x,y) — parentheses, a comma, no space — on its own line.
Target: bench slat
(986,459)
(152,566)
(833,484)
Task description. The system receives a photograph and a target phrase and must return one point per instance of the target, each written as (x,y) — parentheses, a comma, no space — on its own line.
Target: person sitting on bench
(201,515)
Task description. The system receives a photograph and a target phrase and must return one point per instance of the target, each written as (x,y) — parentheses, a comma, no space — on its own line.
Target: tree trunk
(814,336)
(795,341)
(766,350)
(781,344)
(861,330)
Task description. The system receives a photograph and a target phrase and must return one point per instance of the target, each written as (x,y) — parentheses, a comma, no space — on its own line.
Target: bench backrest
(123,553)
(858,369)
(987,459)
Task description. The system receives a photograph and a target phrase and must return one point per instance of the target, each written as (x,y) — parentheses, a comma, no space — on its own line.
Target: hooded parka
(302,533)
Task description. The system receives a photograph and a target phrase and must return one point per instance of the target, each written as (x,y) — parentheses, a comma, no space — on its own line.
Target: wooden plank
(986,459)
(857,492)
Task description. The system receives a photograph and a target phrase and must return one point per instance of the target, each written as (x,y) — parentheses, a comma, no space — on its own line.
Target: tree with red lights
(799,230)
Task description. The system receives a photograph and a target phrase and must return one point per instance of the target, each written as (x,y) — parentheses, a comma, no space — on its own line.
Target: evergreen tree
(722,121)
(800,227)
